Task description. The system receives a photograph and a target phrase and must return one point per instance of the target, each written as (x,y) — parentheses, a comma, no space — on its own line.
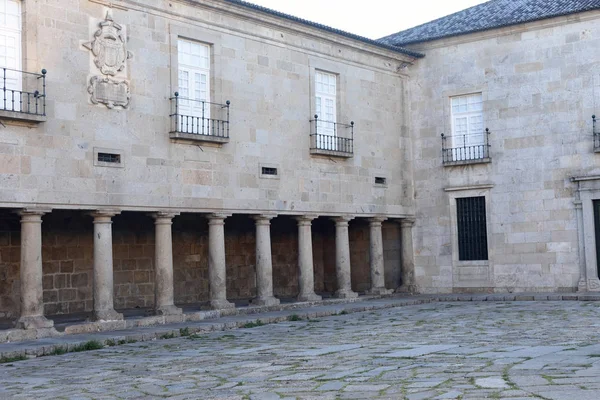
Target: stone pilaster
(216,262)
(342,258)
(103,267)
(306,278)
(582,286)
(32,303)
(376,257)
(408,258)
(163,282)
(264,264)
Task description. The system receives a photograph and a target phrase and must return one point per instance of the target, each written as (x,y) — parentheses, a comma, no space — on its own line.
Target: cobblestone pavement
(478,350)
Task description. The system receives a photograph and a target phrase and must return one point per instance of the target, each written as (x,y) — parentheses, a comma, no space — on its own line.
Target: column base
(309,297)
(380,291)
(107,315)
(593,285)
(221,304)
(168,310)
(346,294)
(36,322)
(408,289)
(265,301)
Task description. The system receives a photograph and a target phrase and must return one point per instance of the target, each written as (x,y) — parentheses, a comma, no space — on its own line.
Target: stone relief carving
(109,48)
(110,92)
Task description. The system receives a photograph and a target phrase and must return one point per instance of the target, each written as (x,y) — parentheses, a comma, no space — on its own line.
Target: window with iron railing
(208,121)
(462,151)
(23,92)
(331,138)
(596,132)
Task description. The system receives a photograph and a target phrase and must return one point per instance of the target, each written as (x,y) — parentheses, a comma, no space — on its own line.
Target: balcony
(596,130)
(23,96)
(200,121)
(331,138)
(466,154)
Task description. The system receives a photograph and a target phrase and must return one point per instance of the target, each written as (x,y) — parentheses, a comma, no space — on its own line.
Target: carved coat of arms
(109,47)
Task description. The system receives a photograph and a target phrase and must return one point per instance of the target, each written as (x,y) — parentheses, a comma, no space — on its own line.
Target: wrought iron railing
(196,117)
(596,130)
(23,92)
(332,136)
(465,153)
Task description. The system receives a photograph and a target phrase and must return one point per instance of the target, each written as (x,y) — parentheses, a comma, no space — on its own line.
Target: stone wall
(540,87)
(269,83)
(10,259)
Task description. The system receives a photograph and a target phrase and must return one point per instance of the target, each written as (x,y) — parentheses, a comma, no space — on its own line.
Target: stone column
(582,285)
(306,278)
(163,265)
(264,264)
(408,258)
(376,257)
(342,258)
(32,303)
(103,267)
(216,262)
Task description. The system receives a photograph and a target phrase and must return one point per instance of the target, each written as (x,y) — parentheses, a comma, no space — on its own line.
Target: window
(194,87)
(326,110)
(468,136)
(10,50)
(472,228)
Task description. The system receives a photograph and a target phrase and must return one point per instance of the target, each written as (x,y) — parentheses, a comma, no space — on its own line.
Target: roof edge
(289,17)
(468,32)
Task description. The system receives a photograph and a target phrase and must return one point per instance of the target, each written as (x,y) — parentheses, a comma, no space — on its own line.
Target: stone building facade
(538,172)
(171,155)
(196,154)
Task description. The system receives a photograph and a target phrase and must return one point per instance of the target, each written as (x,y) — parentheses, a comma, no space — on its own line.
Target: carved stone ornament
(109,47)
(108,91)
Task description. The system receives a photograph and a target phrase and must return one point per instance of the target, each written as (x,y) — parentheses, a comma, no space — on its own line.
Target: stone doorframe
(588,190)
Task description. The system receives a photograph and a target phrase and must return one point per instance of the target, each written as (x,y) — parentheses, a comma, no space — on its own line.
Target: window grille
(472,228)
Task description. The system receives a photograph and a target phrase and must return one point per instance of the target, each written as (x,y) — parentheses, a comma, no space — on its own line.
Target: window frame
(465,140)
(471,274)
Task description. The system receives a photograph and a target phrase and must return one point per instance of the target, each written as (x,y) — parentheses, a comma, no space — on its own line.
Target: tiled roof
(326,28)
(489,15)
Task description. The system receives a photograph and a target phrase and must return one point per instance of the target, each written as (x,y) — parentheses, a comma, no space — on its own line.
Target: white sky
(369,18)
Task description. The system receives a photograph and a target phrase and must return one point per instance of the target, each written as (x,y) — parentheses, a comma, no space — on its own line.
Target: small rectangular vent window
(380,180)
(109,158)
(269,171)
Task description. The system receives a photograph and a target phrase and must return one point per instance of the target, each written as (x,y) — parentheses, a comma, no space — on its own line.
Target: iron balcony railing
(23,92)
(332,136)
(596,130)
(465,153)
(197,117)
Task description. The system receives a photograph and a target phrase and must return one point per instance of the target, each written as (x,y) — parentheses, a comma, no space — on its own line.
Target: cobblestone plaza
(452,350)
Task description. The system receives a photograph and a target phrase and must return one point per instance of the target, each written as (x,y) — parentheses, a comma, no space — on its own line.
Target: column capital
(377,220)
(305,219)
(343,219)
(264,218)
(407,222)
(217,216)
(163,215)
(33,214)
(100,214)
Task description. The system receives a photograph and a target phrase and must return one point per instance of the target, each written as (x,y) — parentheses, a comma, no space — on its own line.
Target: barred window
(472,228)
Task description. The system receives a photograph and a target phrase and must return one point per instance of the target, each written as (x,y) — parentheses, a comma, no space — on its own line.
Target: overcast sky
(369,18)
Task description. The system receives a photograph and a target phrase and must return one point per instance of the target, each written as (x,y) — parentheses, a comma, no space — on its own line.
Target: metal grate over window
(269,171)
(472,232)
(109,158)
